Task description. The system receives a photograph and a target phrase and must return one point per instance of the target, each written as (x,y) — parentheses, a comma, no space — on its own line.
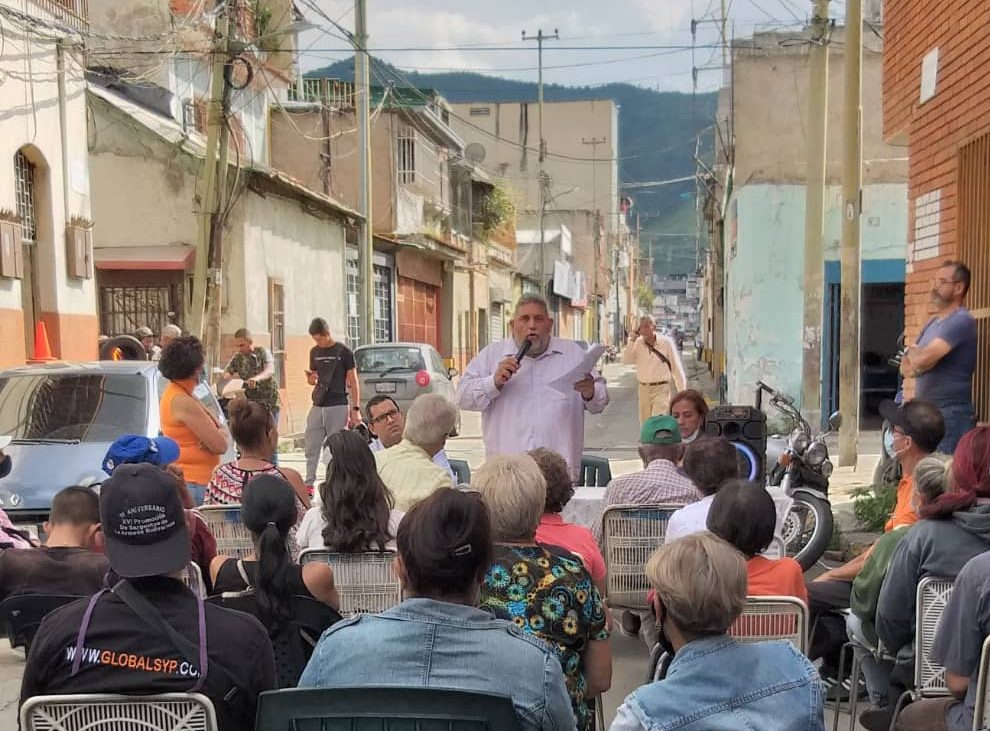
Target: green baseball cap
(661,430)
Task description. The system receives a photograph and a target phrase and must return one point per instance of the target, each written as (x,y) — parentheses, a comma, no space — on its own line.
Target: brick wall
(934,130)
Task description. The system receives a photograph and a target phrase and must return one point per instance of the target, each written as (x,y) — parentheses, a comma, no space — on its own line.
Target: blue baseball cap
(135,449)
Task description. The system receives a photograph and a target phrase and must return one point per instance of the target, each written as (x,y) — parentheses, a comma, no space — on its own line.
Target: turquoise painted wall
(764,291)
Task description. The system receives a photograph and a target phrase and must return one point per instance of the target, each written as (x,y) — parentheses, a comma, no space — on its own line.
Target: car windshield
(376,360)
(83,407)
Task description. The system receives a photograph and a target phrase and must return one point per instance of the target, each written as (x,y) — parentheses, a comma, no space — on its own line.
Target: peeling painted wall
(764,291)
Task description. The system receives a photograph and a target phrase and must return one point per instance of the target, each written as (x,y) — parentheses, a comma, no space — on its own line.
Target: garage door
(418,306)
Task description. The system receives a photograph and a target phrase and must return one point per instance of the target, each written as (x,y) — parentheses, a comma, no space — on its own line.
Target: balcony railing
(73,13)
(334,93)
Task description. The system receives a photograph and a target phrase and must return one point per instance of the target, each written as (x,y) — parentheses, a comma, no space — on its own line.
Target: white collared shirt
(527,413)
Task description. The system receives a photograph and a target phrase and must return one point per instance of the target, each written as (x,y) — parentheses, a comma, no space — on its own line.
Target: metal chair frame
(626,550)
(758,618)
(224,522)
(982,710)
(365,581)
(79,712)
(595,471)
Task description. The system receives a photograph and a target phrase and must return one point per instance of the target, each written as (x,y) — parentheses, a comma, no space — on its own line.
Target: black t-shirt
(63,570)
(123,654)
(331,365)
(230,579)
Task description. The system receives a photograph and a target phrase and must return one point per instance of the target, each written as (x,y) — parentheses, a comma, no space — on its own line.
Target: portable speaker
(746,428)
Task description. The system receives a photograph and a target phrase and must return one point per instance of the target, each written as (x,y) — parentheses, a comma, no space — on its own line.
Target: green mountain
(657,142)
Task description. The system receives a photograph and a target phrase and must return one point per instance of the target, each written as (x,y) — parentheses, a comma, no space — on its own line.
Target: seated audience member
(387,424)
(10,537)
(355,512)
(660,482)
(958,643)
(66,564)
(408,469)
(115,642)
(543,592)
(437,637)
(714,682)
(708,463)
(690,410)
(268,511)
(163,452)
(929,482)
(952,530)
(552,530)
(743,514)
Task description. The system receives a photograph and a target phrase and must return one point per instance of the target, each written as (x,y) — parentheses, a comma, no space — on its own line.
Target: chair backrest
(933,594)
(21,614)
(595,471)
(365,581)
(630,535)
(462,471)
(982,711)
(773,618)
(224,521)
(384,709)
(85,712)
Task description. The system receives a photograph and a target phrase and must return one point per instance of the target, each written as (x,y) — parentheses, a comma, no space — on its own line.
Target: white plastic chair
(982,711)
(773,618)
(224,521)
(84,712)
(630,535)
(366,582)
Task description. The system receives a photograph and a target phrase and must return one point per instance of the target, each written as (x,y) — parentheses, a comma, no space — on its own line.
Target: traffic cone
(42,349)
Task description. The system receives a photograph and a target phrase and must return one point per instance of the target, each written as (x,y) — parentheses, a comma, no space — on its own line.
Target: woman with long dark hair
(357,510)
(268,511)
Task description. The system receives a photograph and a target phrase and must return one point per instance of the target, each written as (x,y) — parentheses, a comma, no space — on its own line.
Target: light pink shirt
(527,413)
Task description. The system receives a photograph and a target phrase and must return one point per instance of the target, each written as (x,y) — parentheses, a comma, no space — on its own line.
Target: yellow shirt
(410,473)
(649,368)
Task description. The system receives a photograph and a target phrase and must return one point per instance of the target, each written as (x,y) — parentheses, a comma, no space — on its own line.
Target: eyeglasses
(381,418)
(939,281)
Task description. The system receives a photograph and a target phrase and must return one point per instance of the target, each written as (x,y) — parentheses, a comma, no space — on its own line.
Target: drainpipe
(63,130)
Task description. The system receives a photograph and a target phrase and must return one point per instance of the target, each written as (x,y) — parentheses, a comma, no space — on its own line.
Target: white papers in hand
(565,384)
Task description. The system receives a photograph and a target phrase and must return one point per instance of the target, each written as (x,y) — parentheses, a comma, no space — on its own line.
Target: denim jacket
(718,684)
(423,642)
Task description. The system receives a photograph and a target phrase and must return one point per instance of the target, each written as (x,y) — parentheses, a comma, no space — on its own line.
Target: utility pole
(205,312)
(852,200)
(814,214)
(362,98)
(544,183)
(594,142)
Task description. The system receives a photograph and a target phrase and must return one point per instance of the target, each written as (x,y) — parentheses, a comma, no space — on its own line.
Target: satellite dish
(475,152)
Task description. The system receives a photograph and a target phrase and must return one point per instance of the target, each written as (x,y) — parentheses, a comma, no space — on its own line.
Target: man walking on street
(332,374)
(944,358)
(522,406)
(658,368)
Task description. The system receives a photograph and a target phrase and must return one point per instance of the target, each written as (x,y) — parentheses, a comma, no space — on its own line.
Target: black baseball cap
(921,420)
(144,525)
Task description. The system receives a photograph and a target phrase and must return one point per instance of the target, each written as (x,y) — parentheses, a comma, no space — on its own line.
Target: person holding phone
(332,374)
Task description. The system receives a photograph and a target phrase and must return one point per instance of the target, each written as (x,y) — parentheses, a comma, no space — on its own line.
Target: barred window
(406,149)
(24,193)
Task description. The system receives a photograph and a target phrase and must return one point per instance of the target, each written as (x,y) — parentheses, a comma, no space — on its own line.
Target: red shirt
(780,577)
(553,531)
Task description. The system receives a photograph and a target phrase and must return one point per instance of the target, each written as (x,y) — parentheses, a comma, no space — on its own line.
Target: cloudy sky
(645,42)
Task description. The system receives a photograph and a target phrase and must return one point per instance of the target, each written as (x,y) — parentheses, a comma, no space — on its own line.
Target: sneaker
(629,624)
(840,693)
(876,719)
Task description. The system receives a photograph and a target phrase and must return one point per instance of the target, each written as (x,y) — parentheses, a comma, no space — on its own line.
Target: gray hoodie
(932,547)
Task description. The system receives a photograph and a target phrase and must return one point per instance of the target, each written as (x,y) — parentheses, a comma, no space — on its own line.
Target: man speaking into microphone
(510,383)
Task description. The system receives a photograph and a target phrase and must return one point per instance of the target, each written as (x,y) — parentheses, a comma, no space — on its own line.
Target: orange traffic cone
(42,349)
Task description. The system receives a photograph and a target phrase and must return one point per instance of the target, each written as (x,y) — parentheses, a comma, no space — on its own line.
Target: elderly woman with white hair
(407,468)
(544,591)
(714,682)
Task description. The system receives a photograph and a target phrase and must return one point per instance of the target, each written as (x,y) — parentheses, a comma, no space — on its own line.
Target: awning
(173,257)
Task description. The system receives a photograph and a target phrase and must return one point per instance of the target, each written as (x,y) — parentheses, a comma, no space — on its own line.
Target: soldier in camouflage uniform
(256,366)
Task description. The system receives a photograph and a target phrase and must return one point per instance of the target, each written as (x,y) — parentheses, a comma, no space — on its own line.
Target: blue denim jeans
(959,419)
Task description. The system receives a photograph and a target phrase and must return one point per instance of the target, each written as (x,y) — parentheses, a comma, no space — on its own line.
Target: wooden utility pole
(814,214)
(362,99)
(852,184)
(205,311)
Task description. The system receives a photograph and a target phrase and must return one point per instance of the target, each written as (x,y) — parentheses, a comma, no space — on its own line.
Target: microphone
(523,349)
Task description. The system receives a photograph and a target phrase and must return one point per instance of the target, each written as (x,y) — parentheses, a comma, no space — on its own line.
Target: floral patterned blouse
(549,595)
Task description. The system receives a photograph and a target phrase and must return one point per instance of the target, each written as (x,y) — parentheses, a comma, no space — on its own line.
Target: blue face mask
(888,441)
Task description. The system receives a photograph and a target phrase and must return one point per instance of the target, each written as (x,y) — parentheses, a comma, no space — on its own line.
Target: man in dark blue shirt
(944,358)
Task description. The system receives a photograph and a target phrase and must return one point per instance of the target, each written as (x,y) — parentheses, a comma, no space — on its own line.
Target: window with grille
(406,149)
(24,193)
(276,326)
(383,304)
(353,317)
(194,116)
(123,309)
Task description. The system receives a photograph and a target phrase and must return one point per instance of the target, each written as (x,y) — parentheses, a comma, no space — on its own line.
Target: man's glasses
(382,418)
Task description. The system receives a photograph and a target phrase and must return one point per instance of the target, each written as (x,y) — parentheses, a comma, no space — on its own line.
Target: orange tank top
(196,462)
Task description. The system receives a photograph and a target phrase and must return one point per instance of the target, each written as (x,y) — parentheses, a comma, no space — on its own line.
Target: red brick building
(936,100)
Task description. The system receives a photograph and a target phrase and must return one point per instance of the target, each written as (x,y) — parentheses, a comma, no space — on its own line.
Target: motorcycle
(799,465)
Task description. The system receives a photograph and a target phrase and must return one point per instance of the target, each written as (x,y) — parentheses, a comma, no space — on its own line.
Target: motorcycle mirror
(835,420)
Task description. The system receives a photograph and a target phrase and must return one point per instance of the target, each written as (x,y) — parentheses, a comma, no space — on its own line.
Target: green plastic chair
(595,471)
(384,709)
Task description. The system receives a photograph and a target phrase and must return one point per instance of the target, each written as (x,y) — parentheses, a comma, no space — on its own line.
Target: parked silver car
(64,416)
(402,371)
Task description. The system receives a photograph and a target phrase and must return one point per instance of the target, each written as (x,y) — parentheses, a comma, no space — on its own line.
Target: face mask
(5,465)
(688,440)
(888,441)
